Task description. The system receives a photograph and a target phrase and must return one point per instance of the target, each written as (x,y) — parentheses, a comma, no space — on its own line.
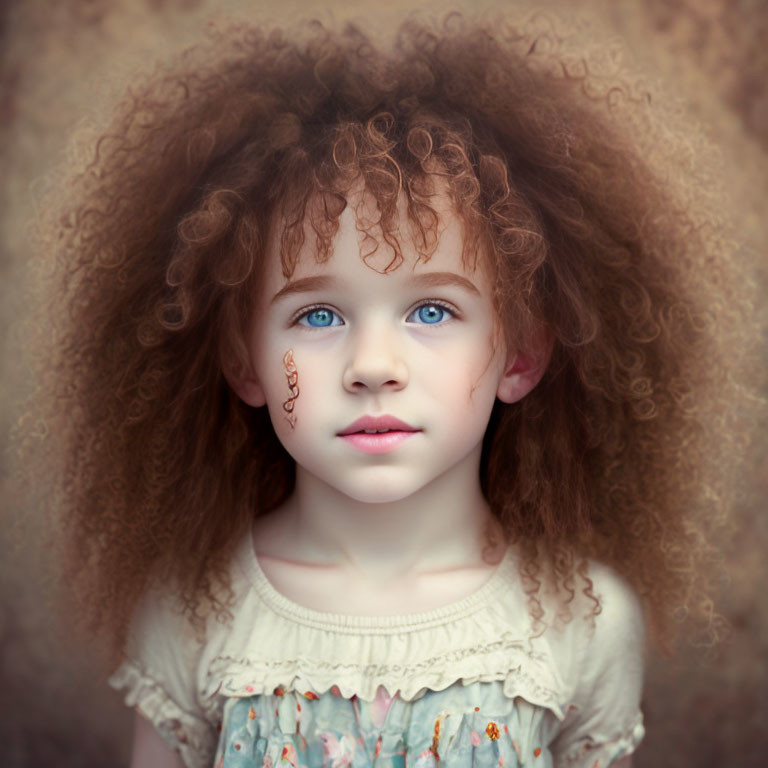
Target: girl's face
(412,351)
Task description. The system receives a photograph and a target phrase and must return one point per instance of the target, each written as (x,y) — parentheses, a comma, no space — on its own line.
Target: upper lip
(377,422)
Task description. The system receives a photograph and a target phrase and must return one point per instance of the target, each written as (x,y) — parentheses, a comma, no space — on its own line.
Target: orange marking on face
(292,375)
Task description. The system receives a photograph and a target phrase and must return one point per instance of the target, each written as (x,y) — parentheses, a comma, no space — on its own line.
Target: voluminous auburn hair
(562,178)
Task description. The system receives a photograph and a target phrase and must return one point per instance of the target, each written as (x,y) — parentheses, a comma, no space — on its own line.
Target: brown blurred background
(62,63)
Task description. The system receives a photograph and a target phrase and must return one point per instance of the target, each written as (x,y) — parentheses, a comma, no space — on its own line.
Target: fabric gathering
(290,685)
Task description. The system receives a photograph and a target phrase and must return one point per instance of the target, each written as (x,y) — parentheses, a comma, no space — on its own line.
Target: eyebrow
(436,279)
(305,284)
(325,282)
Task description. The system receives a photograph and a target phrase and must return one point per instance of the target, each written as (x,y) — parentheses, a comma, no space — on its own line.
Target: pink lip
(377,443)
(382,443)
(377,422)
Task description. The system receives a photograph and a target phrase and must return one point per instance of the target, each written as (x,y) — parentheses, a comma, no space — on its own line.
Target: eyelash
(449,308)
(308,311)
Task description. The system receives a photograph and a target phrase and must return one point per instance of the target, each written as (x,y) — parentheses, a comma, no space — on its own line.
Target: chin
(381,492)
(374,496)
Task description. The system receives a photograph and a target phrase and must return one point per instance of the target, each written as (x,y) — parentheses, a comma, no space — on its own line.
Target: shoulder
(164,673)
(164,645)
(171,640)
(166,620)
(603,671)
(160,672)
(620,612)
(594,630)
(612,658)
(160,620)
(606,625)
(598,609)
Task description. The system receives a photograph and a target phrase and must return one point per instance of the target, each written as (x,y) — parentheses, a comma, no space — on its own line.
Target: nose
(376,361)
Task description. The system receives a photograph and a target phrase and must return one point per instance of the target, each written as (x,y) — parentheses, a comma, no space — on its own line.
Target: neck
(445,525)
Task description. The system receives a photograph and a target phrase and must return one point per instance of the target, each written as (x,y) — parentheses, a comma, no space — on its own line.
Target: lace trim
(524,672)
(194,739)
(403,670)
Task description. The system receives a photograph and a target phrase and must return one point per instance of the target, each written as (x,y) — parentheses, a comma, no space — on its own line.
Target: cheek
(294,390)
(314,376)
(466,377)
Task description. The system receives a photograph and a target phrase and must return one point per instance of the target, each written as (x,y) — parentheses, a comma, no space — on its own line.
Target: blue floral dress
(466,685)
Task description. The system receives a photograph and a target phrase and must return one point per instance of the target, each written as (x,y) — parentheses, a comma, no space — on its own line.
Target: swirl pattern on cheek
(289,366)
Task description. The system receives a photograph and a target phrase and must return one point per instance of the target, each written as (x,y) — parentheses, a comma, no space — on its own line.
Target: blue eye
(430,314)
(321,317)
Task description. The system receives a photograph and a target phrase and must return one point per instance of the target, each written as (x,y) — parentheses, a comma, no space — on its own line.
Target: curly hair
(625,452)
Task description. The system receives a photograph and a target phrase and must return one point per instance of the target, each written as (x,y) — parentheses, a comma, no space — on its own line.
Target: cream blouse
(466,684)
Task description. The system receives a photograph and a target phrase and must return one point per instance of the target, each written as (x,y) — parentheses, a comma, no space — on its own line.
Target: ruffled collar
(273,643)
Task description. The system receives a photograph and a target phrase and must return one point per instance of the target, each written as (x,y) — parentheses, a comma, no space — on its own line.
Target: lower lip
(383,442)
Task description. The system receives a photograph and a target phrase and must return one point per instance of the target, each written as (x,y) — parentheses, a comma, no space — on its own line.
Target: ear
(523,370)
(246,385)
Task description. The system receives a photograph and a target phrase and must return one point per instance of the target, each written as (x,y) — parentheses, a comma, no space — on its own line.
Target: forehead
(360,250)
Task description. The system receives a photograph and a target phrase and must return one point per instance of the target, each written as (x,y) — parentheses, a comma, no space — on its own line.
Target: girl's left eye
(319,317)
(430,313)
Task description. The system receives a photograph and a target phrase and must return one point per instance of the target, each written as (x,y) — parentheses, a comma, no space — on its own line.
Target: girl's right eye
(318,317)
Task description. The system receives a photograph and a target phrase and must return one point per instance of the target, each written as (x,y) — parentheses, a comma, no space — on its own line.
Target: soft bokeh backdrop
(63,63)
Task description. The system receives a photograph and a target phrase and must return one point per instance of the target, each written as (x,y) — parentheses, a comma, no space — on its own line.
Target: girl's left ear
(524,370)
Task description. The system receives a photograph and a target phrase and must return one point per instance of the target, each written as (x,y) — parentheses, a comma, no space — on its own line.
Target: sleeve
(603,720)
(159,678)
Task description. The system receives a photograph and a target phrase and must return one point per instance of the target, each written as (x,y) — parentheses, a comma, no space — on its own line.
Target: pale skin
(391,533)
(361,533)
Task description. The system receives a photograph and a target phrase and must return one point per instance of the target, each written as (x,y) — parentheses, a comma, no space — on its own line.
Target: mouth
(377,434)
(375,425)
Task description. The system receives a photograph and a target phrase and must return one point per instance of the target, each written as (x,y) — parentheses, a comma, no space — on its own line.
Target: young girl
(384,383)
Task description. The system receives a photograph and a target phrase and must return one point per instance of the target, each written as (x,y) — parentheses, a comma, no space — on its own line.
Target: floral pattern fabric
(460,727)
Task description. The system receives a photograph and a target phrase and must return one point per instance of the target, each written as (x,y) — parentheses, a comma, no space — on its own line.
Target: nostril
(368,374)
